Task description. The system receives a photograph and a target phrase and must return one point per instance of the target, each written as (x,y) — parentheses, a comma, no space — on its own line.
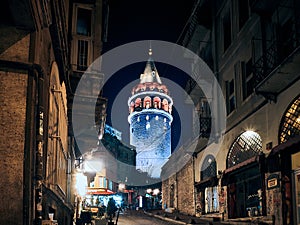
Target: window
(211,199)
(82,38)
(243,12)
(110,185)
(227,30)
(209,167)
(290,125)
(286,38)
(248,78)
(247,145)
(210,192)
(84,20)
(82,60)
(230,89)
(102,182)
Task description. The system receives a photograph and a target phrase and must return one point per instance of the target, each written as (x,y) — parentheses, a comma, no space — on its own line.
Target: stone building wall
(12,141)
(185,181)
(13,98)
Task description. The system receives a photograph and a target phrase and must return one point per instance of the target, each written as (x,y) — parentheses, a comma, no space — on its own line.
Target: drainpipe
(176,182)
(194,191)
(35,72)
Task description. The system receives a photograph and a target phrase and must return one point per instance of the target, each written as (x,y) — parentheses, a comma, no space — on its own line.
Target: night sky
(134,20)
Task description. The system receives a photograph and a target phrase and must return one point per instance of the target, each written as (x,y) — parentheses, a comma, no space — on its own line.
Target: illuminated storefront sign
(273,181)
(98,191)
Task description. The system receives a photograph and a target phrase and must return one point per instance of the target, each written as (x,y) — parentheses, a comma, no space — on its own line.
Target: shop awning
(291,143)
(98,191)
(242,164)
(239,167)
(208,182)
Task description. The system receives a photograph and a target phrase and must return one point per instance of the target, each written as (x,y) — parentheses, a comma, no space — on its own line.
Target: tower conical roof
(150,72)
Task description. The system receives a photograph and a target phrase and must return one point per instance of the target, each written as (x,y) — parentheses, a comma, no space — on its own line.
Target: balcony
(279,65)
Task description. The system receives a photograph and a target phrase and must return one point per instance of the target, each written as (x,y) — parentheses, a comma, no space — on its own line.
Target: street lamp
(156,191)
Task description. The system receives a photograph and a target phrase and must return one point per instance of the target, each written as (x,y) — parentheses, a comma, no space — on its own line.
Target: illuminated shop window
(246,146)
(290,123)
(211,199)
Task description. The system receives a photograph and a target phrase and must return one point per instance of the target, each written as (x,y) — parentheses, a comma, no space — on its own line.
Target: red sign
(98,191)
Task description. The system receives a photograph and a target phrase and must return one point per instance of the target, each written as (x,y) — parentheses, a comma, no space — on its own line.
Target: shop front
(287,165)
(243,179)
(207,196)
(245,189)
(207,191)
(297,196)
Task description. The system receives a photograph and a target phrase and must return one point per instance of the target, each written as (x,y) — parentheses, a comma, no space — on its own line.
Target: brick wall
(185,182)
(13,93)
(18,52)
(183,190)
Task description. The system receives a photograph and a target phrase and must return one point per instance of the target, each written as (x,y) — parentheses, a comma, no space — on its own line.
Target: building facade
(150,108)
(106,171)
(252,47)
(38,168)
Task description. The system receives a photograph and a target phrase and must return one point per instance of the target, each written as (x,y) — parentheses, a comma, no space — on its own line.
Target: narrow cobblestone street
(138,218)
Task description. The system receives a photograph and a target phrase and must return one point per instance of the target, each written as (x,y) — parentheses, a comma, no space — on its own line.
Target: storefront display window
(211,200)
(208,191)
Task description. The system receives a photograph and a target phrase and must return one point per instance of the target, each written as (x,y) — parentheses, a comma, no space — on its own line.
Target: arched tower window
(131,108)
(170,108)
(138,103)
(157,102)
(246,146)
(147,102)
(209,167)
(290,122)
(165,105)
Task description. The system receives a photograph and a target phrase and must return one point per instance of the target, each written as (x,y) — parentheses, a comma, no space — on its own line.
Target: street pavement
(133,217)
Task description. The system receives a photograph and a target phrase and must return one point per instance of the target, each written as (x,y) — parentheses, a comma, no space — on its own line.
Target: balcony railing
(205,127)
(274,55)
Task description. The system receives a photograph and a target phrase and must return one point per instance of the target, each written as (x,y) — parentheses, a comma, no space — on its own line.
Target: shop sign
(98,191)
(273,181)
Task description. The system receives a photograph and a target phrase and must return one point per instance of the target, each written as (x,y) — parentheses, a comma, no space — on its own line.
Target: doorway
(297,197)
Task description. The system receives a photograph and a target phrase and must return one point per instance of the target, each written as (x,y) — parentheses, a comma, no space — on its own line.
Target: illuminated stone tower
(150,119)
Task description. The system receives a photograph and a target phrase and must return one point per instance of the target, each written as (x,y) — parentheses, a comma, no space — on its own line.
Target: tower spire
(150,73)
(150,48)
